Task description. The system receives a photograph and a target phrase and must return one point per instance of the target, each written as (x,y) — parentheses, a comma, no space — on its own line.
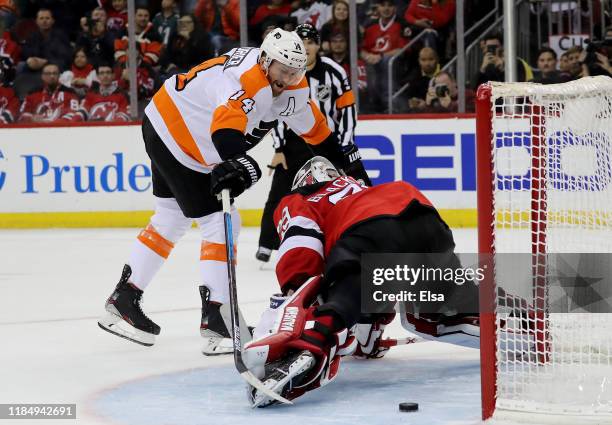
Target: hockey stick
(393,342)
(246,374)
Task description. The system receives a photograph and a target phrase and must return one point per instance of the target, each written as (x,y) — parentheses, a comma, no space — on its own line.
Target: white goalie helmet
(316,170)
(286,48)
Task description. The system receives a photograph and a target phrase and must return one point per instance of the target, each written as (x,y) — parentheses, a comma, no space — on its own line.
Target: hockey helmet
(286,48)
(308,31)
(316,170)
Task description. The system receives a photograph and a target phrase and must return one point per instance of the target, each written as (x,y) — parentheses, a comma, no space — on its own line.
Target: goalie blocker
(325,225)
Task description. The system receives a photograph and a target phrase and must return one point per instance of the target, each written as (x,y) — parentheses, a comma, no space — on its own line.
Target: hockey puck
(408,407)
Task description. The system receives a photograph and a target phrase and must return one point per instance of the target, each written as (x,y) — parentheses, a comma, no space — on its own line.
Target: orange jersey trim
(319,131)
(155,242)
(210,251)
(232,114)
(347,99)
(176,125)
(303,84)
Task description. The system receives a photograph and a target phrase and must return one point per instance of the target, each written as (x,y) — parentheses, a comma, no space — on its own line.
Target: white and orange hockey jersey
(228,92)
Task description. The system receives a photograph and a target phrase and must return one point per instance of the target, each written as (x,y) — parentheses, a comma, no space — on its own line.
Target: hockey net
(544,188)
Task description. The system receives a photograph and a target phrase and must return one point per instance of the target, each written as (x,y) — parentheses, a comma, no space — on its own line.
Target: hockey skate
(212,327)
(282,376)
(124,316)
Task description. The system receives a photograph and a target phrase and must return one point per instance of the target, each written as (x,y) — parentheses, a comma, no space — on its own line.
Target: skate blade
(215,345)
(302,364)
(117,326)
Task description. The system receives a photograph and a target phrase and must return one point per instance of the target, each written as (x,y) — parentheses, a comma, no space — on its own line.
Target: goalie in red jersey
(325,224)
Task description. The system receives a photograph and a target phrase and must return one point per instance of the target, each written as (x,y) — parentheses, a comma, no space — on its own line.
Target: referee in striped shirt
(331,89)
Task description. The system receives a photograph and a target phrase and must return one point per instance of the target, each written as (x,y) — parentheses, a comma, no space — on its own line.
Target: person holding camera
(594,60)
(493,65)
(442,95)
(96,39)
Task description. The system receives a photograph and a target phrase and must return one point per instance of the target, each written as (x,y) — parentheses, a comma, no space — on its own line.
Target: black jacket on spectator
(100,49)
(554,77)
(55,48)
(187,53)
(419,84)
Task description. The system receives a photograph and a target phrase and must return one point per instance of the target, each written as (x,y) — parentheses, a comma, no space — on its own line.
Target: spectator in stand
(117,14)
(493,66)
(419,79)
(382,40)
(165,21)
(547,67)
(96,39)
(148,45)
(188,47)
(47,44)
(221,19)
(313,12)
(105,101)
(271,8)
(442,95)
(9,47)
(339,53)
(573,65)
(54,102)
(433,17)
(338,23)
(81,74)
(595,63)
(9,102)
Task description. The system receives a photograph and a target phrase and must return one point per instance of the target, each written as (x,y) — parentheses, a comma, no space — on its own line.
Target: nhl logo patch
(323,92)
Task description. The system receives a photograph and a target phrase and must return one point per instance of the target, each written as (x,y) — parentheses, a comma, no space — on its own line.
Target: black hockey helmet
(308,31)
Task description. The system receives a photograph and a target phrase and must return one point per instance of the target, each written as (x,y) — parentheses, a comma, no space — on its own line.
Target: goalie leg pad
(300,332)
(461,329)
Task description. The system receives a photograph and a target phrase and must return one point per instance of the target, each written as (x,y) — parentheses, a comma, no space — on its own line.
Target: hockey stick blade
(394,342)
(256,383)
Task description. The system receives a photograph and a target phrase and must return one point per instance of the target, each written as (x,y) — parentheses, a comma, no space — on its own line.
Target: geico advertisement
(107,169)
(436,155)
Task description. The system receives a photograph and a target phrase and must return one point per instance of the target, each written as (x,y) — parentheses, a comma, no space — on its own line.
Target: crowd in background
(66,60)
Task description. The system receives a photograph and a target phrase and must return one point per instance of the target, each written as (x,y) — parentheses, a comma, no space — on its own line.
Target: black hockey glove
(352,165)
(236,174)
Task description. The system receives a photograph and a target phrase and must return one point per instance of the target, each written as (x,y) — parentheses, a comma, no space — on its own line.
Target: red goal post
(544,173)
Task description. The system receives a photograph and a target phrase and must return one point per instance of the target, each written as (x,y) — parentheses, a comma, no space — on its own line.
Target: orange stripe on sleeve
(347,99)
(176,125)
(319,131)
(214,251)
(156,242)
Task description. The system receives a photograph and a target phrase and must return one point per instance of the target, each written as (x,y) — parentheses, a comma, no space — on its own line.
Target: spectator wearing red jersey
(148,45)
(54,102)
(117,14)
(338,23)
(431,16)
(9,47)
(9,102)
(221,19)
(271,8)
(105,101)
(81,74)
(382,40)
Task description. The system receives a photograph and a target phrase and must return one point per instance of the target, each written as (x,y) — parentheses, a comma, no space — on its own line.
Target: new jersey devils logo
(103,111)
(382,43)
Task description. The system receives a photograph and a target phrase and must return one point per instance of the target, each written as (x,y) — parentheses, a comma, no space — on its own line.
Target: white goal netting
(552,194)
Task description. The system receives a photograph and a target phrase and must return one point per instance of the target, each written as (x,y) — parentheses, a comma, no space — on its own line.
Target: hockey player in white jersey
(197,130)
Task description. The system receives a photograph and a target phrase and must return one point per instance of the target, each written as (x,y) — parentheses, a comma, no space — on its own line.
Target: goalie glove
(369,335)
(236,174)
(301,352)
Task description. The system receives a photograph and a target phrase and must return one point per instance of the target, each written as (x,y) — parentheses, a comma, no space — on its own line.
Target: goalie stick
(244,372)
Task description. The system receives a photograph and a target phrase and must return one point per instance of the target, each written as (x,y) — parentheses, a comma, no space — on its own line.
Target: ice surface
(53,284)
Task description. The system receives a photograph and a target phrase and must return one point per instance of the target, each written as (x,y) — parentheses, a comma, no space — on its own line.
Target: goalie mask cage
(544,159)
